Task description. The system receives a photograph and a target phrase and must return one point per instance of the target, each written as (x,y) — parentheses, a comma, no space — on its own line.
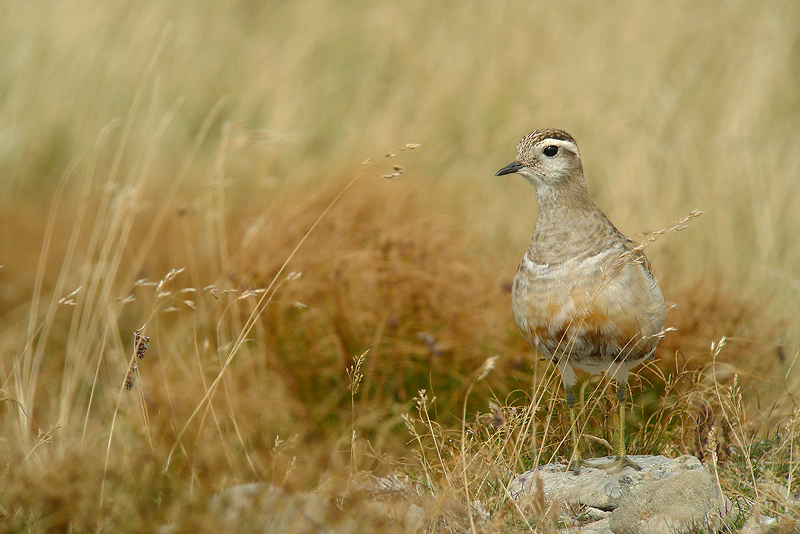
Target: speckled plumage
(584,294)
(539,135)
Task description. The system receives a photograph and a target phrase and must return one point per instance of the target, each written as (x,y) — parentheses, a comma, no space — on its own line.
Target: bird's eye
(550,151)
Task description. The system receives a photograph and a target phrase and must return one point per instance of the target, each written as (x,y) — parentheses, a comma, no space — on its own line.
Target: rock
(268,508)
(595,487)
(760,524)
(409,505)
(387,505)
(686,502)
(597,527)
(595,514)
(679,494)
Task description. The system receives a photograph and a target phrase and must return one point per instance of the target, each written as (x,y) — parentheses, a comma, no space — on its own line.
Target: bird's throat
(567,222)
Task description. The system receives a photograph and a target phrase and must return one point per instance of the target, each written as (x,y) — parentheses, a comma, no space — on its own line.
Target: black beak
(510,169)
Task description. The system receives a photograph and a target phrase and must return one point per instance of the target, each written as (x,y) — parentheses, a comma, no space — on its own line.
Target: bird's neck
(568,224)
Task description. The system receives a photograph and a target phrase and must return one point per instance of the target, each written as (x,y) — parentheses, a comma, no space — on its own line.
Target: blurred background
(161,161)
(674,109)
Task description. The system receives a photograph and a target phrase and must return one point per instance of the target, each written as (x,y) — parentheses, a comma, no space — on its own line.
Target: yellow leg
(622,394)
(575,459)
(621,461)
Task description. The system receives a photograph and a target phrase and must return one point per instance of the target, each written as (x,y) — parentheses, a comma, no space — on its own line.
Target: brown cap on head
(526,145)
(547,133)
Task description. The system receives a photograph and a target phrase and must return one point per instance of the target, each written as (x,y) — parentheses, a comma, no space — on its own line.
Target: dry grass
(163,166)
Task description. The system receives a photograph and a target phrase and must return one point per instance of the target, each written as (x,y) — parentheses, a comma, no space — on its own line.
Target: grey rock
(595,514)
(762,524)
(677,493)
(595,487)
(597,527)
(389,504)
(686,502)
(269,509)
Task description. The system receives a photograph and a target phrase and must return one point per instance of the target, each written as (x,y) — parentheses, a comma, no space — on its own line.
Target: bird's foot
(574,465)
(617,465)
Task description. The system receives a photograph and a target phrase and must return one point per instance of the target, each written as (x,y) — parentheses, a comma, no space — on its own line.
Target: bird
(584,295)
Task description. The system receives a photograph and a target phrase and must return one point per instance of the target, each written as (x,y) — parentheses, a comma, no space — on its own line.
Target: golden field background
(161,163)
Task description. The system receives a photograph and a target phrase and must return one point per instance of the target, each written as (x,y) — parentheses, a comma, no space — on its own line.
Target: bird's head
(547,159)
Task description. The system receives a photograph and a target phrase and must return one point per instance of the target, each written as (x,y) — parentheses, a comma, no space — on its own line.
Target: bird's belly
(581,312)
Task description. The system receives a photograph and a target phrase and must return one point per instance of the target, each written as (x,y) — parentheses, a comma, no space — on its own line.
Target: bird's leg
(568,380)
(621,461)
(622,396)
(575,459)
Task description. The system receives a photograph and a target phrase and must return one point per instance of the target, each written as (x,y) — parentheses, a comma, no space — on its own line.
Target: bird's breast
(592,309)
